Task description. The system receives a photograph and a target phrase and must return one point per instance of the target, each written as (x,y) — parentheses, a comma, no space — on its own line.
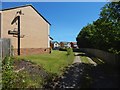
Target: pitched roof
(74,42)
(26,6)
(55,42)
(65,43)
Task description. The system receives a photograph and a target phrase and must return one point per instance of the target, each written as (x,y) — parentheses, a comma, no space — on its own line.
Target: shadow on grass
(72,77)
(104,76)
(101,76)
(95,59)
(81,75)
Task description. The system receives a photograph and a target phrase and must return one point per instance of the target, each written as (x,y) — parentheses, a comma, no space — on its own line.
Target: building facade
(34,29)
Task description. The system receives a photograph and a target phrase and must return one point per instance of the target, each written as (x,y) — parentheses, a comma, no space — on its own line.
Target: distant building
(74,44)
(55,45)
(65,44)
(61,44)
(68,44)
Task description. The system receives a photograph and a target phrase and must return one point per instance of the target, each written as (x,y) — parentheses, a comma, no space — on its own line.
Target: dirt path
(32,68)
(72,78)
(91,61)
(77,58)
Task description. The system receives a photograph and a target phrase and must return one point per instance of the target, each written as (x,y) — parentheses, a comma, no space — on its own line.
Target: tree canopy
(104,33)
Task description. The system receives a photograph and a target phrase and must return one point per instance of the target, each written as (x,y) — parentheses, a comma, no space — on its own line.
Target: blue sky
(67,19)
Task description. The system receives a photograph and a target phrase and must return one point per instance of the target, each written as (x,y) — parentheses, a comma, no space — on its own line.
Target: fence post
(0,64)
(0,50)
(5,48)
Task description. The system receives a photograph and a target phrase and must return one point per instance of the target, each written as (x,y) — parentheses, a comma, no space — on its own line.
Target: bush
(7,73)
(69,51)
(22,79)
(62,49)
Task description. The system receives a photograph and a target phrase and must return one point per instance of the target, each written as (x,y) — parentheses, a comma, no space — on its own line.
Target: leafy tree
(110,25)
(104,33)
(85,36)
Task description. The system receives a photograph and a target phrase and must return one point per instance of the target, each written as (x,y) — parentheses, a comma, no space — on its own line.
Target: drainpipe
(18,35)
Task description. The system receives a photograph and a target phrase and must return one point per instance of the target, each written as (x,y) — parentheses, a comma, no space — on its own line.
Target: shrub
(69,51)
(22,79)
(7,73)
(62,49)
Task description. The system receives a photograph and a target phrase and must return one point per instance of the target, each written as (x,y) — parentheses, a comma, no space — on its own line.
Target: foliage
(85,36)
(84,60)
(104,33)
(63,49)
(70,56)
(69,51)
(7,73)
(12,79)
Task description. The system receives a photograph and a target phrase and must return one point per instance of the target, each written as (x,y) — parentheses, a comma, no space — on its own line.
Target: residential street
(60,44)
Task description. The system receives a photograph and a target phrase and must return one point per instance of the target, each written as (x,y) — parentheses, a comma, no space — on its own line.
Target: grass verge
(84,60)
(53,63)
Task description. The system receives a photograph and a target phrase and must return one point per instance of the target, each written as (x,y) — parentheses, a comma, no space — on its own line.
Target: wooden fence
(5,48)
(105,56)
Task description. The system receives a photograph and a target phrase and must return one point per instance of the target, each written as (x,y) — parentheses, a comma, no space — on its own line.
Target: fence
(5,48)
(105,56)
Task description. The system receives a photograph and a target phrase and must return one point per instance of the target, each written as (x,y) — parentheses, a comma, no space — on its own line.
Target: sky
(66,18)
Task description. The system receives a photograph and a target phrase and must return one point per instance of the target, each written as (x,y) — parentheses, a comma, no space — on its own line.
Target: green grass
(84,59)
(54,62)
(28,81)
(98,61)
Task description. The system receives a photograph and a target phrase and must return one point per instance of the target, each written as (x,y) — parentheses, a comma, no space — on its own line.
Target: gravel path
(72,78)
(77,58)
(91,61)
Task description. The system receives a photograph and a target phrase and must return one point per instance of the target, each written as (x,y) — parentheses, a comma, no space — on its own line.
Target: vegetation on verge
(53,64)
(22,79)
(84,60)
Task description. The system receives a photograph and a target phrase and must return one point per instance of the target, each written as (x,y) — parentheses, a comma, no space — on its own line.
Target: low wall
(105,56)
(32,51)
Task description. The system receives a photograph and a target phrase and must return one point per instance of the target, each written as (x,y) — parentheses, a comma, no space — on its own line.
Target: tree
(110,25)
(104,33)
(85,37)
